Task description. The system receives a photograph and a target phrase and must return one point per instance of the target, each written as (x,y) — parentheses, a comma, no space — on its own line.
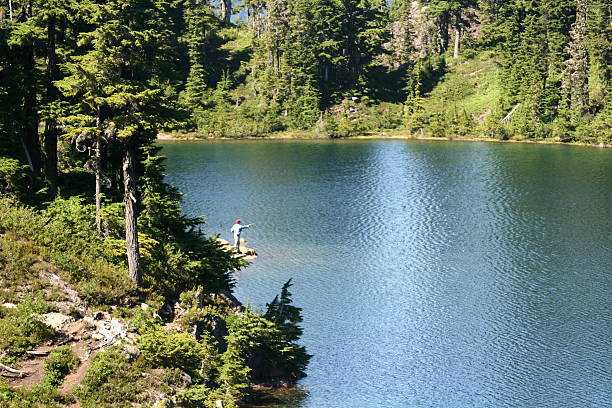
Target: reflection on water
(277,398)
(430,273)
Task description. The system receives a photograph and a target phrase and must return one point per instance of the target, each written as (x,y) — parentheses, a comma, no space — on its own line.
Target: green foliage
(264,348)
(253,117)
(16,273)
(78,253)
(22,328)
(129,68)
(13,177)
(175,350)
(43,395)
(358,118)
(112,382)
(61,362)
(286,316)
(201,396)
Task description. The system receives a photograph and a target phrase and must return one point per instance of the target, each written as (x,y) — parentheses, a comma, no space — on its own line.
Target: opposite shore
(395,134)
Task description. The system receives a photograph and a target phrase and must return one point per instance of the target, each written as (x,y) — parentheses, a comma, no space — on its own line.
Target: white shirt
(237,228)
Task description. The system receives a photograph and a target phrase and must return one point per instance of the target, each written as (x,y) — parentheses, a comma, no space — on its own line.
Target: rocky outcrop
(248,254)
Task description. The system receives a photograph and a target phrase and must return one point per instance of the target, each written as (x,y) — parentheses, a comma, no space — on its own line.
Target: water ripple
(430,274)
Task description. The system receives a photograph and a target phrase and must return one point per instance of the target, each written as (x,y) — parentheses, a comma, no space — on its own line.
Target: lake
(431,274)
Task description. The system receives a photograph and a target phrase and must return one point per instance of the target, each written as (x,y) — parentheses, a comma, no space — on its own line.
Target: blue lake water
(431,274)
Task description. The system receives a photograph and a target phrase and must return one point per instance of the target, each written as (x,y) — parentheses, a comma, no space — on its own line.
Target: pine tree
(401,46)
(578,63)
(200,27)
(24,33)
(117,81)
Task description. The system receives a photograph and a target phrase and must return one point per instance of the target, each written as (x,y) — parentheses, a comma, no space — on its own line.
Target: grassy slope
(470,85)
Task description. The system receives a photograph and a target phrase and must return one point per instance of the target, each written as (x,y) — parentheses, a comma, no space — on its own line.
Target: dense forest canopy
(334,67)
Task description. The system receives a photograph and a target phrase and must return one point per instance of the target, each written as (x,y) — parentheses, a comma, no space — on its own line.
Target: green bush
(21,328)
(64,231)
(109,382)
(176,350)
(16,274)
(13,177)
(113,382)
(252,117)
(200,396)
(59,364)
(38,396)
(596,128)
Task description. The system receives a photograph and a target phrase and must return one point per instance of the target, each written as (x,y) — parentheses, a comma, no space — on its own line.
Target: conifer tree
(24,34)
(116,79)
(200,26)
(578,63)
(402,33)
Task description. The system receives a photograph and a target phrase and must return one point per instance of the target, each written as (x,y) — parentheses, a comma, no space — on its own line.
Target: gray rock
(131,352)
(56,320)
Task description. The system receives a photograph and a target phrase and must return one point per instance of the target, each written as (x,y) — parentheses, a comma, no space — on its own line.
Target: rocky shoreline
(391,135)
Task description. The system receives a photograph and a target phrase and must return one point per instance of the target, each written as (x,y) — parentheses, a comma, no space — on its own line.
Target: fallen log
(38,353)
(20,373)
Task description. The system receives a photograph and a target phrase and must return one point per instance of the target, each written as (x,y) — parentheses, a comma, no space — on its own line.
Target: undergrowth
(61,362)
(62,235)
(22,329)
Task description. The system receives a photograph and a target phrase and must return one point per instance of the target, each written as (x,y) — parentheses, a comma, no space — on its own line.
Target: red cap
(238,221)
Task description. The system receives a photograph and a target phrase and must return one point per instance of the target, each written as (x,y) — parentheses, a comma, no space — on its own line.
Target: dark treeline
(330,66)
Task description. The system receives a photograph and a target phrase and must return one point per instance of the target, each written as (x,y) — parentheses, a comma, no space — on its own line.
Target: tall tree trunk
(131,226)
(226,10)
(51,123)
(443,20)
(456,48)
(30,115)
(30,127)
(98,188)
(98,170)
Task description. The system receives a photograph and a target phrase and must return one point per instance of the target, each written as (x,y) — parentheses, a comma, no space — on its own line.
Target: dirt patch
(82,350)
(35,369)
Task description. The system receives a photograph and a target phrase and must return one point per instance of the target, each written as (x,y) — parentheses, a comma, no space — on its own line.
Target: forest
(87,219)
(501,69)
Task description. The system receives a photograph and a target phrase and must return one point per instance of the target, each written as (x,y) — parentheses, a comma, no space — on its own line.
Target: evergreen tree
(200,26)
(117,79)
(578,63)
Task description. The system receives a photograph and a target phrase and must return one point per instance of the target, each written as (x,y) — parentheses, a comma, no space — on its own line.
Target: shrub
(200,396)
(59,364)
(113,382)
(16,259)
(109,382)
(65,233)
(21,328)
(177,350)
(13,177)
(42,395)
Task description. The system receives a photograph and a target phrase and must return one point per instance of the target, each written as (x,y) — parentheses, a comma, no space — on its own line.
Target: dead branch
(20,373)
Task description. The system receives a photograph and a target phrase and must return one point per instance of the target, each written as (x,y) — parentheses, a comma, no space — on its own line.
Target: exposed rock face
(248,254)
(419,34)
(56,320)
(131,352)
(108,329)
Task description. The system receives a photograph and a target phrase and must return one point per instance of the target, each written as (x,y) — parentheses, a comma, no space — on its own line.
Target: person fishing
(236,230)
